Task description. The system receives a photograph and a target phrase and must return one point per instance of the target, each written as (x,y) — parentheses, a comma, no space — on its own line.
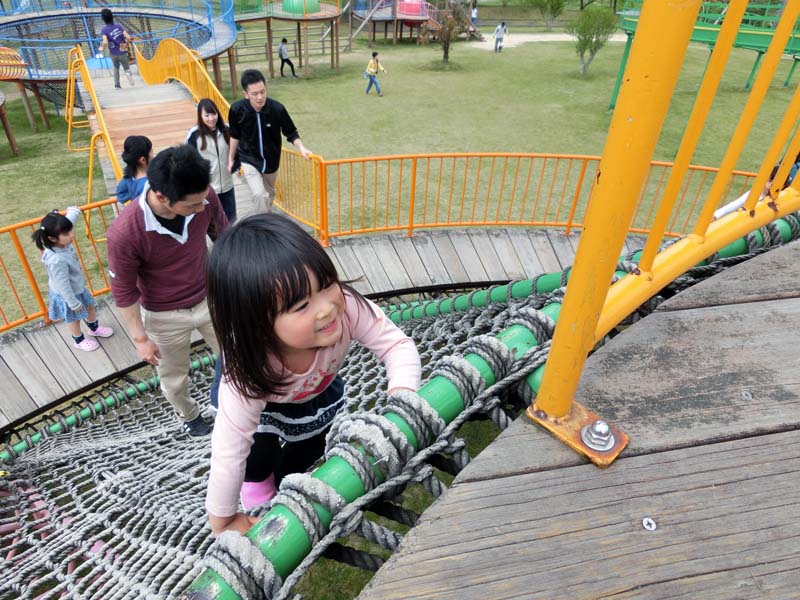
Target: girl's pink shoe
(256,493)
(101,332)
(87,345)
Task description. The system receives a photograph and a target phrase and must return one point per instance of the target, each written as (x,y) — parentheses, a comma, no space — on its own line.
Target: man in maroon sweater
(157,260)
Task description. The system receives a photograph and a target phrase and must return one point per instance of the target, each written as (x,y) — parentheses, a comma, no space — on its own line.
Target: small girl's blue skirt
(59,311)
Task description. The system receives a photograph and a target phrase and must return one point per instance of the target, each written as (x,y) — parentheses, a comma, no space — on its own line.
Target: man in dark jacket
(256,123)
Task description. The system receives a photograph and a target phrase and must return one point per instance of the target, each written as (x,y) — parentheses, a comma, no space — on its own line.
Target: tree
(592,28)
(453,22)
(550,10)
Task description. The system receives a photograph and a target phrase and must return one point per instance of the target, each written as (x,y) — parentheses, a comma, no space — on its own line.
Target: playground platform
(707,389)
(40,366)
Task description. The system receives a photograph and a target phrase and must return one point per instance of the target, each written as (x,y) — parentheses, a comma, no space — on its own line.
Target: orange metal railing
(77,66)
(409,192)
(22,297)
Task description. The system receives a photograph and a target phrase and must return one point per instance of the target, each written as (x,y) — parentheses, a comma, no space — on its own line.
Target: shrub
(592,28)
(550,11)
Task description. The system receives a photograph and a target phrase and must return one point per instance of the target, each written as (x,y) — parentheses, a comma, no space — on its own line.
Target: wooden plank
(54,352)
(17,403)
(373,269)
(768,276)
(456,271)
(726,518)
(332,255)
(676,379)
(113,308)
(175,118)
(97,364)
(434,251)
(352,268)
(507,254)
(562,247)
(387,256)
(544,250)
(17,352)
(407,253)
(463,257)
(118,347)
(482,243)
(522,246)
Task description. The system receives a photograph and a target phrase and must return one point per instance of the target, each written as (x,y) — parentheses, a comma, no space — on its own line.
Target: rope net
(113,508)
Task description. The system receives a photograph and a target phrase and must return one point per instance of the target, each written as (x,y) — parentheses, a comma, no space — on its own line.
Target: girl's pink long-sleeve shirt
(238,417)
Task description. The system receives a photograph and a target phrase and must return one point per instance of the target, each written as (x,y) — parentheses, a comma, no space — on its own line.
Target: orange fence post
(28,272)
(577,196)
(413,195)
(323,201)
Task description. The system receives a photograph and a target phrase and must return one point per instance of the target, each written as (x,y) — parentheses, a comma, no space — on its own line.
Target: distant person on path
(474,17)
(70,301)
(116,39)
(157,260)
(256,123)
(500,32)
(211,136)
(283,52)
(137,152)
(373,66)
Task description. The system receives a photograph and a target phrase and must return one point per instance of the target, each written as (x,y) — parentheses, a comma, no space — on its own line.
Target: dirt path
(513,40)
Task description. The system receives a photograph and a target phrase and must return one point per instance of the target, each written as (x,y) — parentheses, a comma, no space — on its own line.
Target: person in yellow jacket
(373,66)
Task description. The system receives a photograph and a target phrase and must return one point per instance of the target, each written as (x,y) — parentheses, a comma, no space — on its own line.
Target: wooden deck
(40,366)
(707,389)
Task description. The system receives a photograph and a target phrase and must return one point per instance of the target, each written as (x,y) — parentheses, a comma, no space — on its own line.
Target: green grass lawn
(527,99)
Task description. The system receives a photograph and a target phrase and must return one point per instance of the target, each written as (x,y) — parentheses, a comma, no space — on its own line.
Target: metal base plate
(568,430)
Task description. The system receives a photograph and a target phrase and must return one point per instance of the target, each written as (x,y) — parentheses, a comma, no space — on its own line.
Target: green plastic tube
(280,535)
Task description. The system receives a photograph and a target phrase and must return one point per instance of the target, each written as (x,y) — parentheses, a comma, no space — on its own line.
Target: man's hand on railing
(304,152)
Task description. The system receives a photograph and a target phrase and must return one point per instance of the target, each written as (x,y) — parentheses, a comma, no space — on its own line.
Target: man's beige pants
(172,330)
(262,187)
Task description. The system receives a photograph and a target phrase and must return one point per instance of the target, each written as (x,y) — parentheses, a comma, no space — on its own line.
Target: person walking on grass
(157,260)
(373,66)
(256,123)
(70,301)
(500,32)
(116,39)
(283,52)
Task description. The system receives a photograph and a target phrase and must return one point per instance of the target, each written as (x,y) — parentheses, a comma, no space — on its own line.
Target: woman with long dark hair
(212,138)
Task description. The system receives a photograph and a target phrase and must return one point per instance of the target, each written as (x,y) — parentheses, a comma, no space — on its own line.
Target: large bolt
(598,436)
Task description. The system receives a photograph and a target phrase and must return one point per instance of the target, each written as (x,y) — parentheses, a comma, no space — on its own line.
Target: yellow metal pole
(629,292)
(771,60)
(656,57)
(702,106)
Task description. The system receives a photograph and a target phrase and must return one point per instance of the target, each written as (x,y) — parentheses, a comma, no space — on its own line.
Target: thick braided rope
(420,416)
(243,567)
